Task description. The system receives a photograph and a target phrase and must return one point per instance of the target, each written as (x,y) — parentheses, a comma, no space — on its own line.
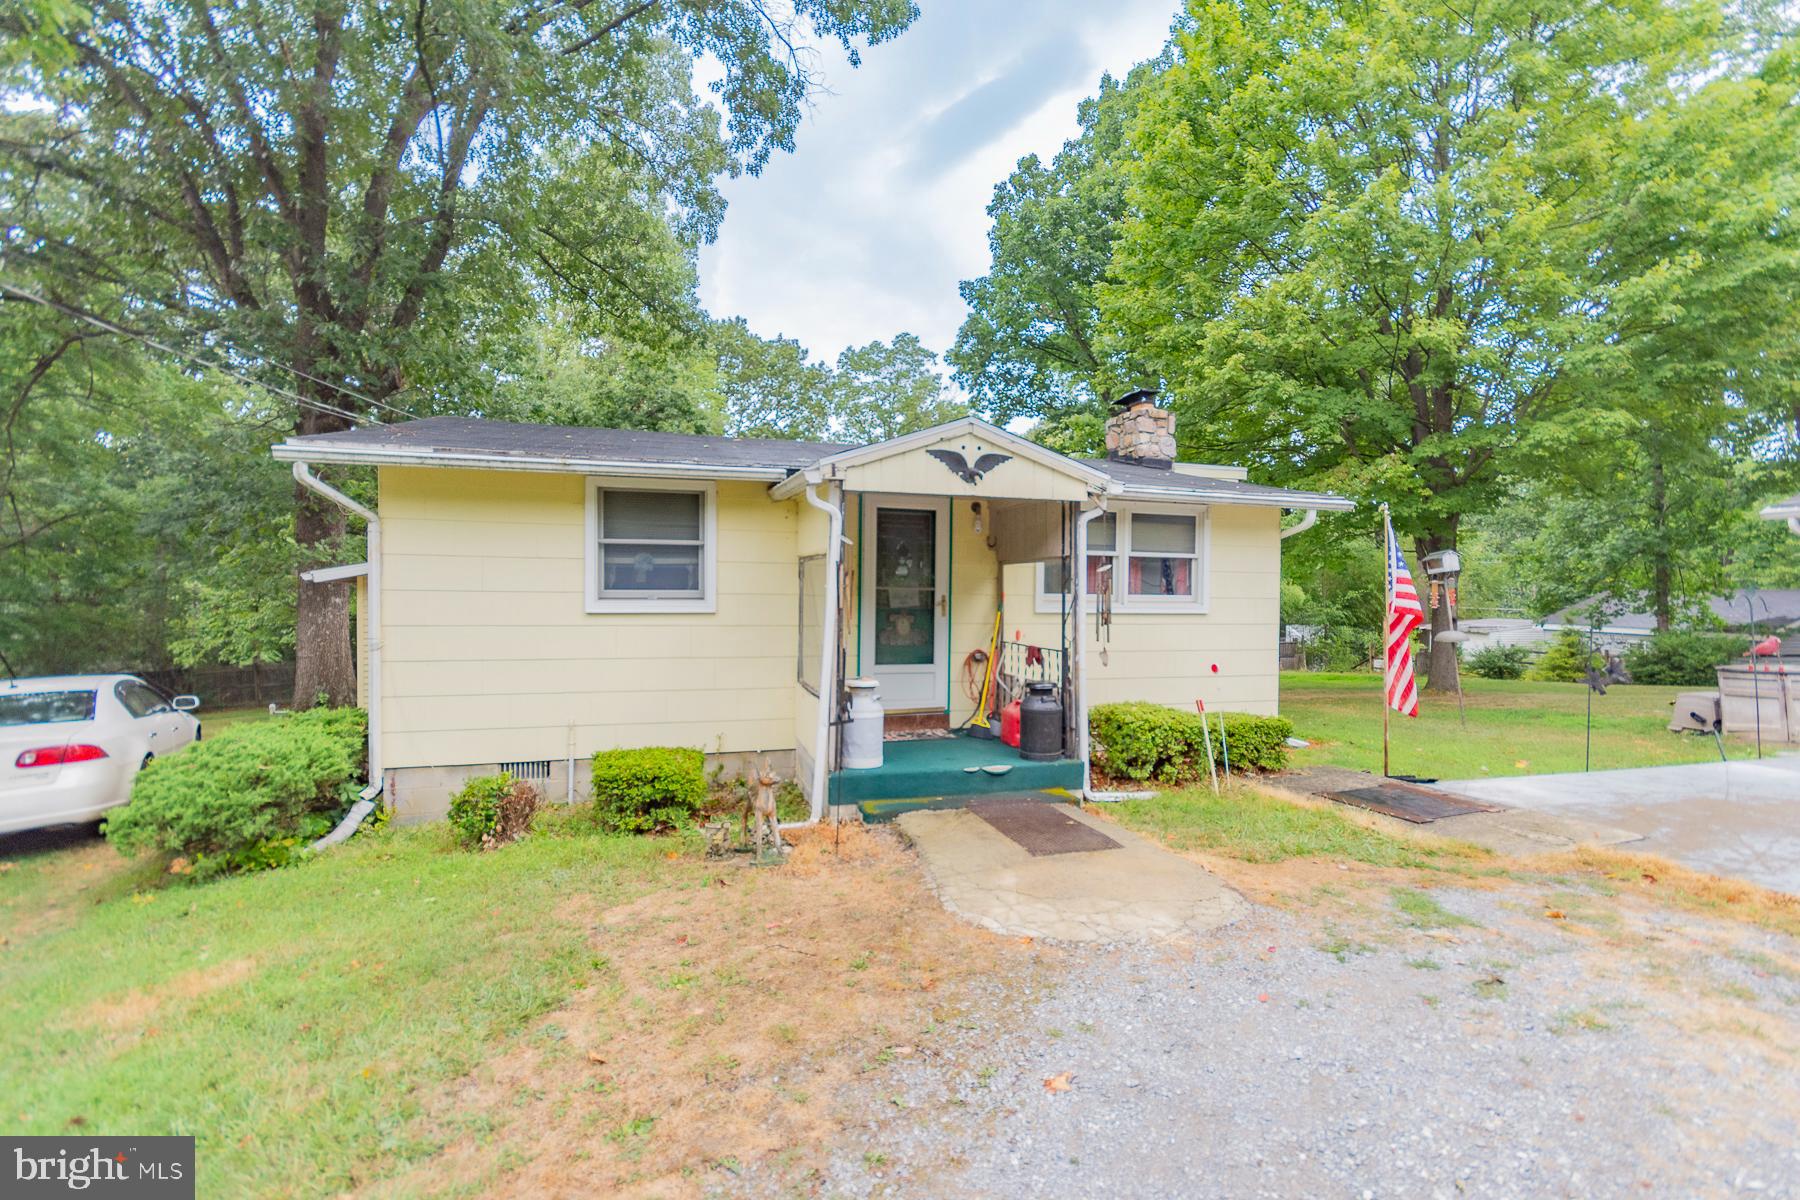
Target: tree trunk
(1662,575)
(324,667)
(324,670)
(1441,662)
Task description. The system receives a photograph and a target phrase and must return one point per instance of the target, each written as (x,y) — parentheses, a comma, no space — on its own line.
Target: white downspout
(828,683)
(1307,522)
(371,623)
(1081,692)
(1078,569)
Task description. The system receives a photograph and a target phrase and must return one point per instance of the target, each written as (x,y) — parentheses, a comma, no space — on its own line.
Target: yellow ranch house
(536,593)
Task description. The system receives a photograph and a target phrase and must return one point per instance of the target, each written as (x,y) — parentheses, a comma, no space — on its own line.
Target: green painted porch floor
(929,773)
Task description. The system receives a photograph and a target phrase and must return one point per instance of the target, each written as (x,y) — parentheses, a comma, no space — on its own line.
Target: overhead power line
(113,327)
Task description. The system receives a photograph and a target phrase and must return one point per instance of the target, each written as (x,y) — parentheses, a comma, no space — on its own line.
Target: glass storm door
(905,601)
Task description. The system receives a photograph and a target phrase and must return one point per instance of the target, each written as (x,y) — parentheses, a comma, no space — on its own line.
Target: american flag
(1403,616)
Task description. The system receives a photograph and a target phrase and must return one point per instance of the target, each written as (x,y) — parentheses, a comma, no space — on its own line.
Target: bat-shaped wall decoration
(959,466)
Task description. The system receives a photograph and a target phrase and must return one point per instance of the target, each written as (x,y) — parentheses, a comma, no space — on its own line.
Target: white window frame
(1052,602)
(708,599)
(1122,600)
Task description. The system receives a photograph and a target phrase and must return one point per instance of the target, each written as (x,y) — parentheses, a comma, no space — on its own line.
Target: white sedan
(71,745)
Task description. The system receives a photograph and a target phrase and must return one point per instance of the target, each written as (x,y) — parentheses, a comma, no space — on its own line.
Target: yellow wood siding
(915,473)
(489,656)
(974,594)
(1168,657)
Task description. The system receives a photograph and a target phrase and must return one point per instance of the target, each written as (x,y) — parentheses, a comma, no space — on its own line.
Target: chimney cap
(1143,395)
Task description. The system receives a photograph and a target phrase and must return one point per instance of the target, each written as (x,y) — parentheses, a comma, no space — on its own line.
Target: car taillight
(50,756)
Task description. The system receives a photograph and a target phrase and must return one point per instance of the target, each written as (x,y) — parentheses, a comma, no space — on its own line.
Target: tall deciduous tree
(328,185)
(770,387)
(884,389)
(1370,242)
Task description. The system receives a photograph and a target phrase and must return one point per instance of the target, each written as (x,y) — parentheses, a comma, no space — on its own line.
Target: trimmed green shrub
(648,790)
(491,810)
(248,797)
(1566,661)
(1142,741)
(1500,662)
(1680,658)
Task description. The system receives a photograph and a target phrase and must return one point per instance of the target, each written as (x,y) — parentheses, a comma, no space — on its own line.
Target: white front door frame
(910,687)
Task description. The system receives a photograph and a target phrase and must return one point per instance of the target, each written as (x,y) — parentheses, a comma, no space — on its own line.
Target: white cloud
(866,229)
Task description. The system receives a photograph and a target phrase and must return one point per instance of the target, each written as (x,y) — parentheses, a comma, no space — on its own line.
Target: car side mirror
(186,703)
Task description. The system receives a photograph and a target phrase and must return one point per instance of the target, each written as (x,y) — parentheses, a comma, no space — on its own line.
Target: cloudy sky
(866,229)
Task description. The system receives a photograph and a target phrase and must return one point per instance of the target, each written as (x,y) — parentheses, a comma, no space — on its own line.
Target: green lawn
(212,720)
(1246,824)
(1514,727)
(293,1021)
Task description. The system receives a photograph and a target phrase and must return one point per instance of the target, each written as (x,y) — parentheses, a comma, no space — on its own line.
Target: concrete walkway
(1136,893)
(1739,818)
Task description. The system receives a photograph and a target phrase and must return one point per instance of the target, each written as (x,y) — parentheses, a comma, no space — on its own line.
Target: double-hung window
(1146,560)
(1164,562)
(1103,543)
(651,547)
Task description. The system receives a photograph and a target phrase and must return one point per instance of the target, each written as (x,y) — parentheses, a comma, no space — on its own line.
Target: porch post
(1078,569)
(828,657)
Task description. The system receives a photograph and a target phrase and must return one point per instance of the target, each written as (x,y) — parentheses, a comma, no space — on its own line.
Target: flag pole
(1387,608)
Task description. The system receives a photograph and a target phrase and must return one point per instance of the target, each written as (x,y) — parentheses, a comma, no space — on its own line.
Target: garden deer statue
(761,810)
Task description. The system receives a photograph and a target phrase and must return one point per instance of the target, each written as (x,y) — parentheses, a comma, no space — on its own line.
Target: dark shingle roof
(1135,476)
(1776,609)
(472,438)
(475,436)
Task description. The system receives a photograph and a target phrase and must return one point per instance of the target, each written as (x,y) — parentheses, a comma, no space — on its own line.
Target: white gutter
(562,464)
(1307,522)
(828,657)
(1279,499)
(371,623)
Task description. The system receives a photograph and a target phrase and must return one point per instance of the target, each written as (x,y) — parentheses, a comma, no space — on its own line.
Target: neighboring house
(1785,510)
(536,593)
(1501,631)
(1772,610)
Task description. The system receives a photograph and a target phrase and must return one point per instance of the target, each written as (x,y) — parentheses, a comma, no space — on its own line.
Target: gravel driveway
(1344,1050)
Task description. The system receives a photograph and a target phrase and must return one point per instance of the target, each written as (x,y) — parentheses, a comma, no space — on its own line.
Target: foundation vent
(538,770)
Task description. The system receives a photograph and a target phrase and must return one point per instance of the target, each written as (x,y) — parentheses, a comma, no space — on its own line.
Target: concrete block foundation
(419,794)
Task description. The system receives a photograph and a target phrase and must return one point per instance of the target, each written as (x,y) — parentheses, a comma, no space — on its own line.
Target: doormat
(916,735)
(1420,805)
(1040,827)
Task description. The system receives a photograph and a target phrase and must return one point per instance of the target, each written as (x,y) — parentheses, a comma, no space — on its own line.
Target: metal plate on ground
(1409,802)
(1040,827)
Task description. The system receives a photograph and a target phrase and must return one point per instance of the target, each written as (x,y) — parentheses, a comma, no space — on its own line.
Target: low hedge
(489,811)
(249,795)
(1499,662)
(1566,660)
(648,790)
(1680,658)
(1147,742)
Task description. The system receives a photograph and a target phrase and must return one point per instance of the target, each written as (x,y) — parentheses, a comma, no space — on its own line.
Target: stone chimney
(1141,433)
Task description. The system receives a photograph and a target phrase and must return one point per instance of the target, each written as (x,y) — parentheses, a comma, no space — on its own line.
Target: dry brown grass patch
(1659,880)
(134,1009)
(723,1015)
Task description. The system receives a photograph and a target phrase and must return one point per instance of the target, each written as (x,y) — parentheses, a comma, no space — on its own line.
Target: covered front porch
(947,772)
(938,601)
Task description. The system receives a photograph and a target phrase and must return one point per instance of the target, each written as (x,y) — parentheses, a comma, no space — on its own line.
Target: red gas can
(1009,724)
